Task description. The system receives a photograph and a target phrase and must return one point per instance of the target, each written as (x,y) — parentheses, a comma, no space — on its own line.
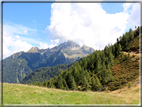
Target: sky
(46,25)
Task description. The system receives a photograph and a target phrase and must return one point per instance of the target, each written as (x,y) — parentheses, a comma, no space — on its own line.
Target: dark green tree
(131,35)
(65,85)
(60,82)
(98,66)
(96,85)
(119,48)
(85,84)
(113,50)
(111,59)
(73,85)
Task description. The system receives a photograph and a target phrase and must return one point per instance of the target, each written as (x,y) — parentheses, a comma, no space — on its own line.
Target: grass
(26,94)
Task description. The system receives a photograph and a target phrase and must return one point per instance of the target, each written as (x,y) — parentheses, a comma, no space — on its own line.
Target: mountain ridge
(23,63)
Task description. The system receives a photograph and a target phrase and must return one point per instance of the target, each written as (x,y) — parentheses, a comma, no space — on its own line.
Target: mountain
(109,69)
(18,65)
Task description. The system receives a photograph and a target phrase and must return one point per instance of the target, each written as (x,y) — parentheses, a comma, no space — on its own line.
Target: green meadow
(28,94)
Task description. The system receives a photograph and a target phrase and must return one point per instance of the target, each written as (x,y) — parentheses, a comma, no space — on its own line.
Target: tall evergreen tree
(119,48)
(96,85)
(106,51)
(85,84)
(98,66)
(65,84)
(113,50)
(73,84)
(111,58)
(131,34)
(60,82)
(103,74)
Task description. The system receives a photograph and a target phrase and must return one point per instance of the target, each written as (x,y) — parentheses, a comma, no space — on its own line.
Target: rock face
(34,49)
(18,65)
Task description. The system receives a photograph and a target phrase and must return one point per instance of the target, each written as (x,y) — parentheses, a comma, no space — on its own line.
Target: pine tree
(65,84)
(117,40)
(116,50)
(60,83)
(85,84)
(96,85)
(88,77)
(103,55)
(131,35)
(106,51)
(103,74)
(113,50)
(52,83)
(111,58)
(119,48)
(109,76)
(106,74)
(73,84)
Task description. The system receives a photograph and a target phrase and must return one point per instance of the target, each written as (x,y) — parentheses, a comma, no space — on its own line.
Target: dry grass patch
(131,94)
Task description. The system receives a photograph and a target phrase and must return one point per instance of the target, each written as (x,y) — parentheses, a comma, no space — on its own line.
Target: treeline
(92,72)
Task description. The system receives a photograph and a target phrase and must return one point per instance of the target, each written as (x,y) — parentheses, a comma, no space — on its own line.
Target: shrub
(126,57)
(129,84)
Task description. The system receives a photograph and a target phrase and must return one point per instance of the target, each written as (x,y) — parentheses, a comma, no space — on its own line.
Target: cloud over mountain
(88,23)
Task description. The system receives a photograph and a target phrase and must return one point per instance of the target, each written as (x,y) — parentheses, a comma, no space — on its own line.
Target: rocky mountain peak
(68,44)
(34,49)
(84,47)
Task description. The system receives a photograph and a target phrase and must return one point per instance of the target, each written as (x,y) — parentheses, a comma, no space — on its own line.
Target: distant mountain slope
(44,73)
(18,65)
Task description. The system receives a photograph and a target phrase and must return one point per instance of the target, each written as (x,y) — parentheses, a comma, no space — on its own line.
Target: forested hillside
(44,73)
(108,69)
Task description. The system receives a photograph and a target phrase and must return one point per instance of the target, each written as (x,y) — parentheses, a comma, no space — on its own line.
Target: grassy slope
(124,71)
(25,94)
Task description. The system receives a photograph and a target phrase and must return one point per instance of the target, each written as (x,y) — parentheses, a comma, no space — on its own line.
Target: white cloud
(126,6)
(134,17)
(86,23)
(134,14)
(16,45)
(17,37)
(52,44)
(43,45)
(14,41)
(17,29)
(25,31)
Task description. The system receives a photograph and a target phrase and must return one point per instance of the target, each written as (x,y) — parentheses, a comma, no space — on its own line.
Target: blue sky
(46,25)
(31,15)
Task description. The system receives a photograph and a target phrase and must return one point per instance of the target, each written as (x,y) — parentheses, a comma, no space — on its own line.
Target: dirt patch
(132,53)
